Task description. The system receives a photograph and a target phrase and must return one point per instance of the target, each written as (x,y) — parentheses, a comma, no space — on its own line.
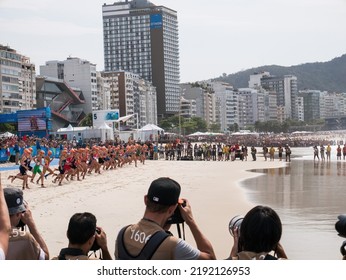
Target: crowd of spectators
(14,146)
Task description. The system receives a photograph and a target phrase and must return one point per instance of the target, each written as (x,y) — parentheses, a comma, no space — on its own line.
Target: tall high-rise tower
(142,38)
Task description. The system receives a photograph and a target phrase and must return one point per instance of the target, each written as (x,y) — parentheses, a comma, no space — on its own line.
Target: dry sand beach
(116,198)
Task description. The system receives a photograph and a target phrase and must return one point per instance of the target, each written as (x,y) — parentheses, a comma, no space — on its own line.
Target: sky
(215,36)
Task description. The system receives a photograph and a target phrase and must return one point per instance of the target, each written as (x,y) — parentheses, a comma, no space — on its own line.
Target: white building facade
(17,81)
(79,73)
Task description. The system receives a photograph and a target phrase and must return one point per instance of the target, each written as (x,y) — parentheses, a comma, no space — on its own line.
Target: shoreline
(116,198)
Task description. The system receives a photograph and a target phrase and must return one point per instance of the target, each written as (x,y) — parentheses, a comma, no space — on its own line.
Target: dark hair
(81,228)
(260,230)
(156,208)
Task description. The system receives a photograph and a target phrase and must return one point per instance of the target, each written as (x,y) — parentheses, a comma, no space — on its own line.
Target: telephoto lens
(340,225)
(235,222)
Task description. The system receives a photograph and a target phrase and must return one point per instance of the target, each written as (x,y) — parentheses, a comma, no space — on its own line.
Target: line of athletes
(77,162)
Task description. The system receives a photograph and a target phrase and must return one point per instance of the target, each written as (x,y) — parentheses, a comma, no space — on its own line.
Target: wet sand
(308,197)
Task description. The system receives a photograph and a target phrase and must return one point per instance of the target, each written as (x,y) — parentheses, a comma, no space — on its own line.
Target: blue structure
(5,154)
(36,122)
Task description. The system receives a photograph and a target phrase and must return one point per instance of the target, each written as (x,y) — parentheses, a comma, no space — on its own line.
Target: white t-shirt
(2,254)
(184,251)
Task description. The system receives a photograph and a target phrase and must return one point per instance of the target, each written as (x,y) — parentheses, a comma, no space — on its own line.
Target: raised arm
(203,244)
(5,225)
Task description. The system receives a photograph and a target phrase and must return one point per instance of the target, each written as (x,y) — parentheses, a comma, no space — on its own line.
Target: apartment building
(78,73)
(286,91)
(142,38)
(204,99)
(132,95)
(17,81)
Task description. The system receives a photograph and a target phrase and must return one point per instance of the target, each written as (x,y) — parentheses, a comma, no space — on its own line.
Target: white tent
(205,134)
(105,126)
(106,132)
(7,134)
(151,127)
(149,132)
(66,129)
(198,133)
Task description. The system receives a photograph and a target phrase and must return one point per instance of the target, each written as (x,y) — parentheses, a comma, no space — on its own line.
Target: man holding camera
(5,225)
(84,236)
(148,239)
(23,244)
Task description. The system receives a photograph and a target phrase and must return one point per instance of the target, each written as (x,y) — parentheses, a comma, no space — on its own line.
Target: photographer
(5,225)
(84,236)
(258,235)
(23,244)
(148,239)
(340,227)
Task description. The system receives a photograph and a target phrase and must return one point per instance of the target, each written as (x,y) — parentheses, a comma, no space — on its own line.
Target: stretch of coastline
(116,198)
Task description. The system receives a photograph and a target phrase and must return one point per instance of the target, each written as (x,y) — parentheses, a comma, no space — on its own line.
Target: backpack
(148,250)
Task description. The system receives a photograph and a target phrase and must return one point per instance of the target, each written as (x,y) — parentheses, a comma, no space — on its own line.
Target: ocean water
(308,195)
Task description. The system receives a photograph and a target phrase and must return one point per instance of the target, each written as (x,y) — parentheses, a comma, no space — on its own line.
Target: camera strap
(179,231)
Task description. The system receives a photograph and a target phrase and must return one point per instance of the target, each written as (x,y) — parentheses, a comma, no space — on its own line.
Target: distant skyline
(215,37)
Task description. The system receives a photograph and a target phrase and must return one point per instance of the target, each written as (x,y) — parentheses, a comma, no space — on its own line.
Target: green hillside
(325,76)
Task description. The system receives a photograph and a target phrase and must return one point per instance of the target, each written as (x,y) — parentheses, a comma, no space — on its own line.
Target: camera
(340,225)
(176,218)
(95,245)
(235,222)
(21,224)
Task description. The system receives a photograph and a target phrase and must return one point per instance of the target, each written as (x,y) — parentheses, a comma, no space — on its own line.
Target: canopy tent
(301,132)
(245,133)
(106,132)
(149,132)
(70,128)
(150,127)
(104,126)
(84,132)
(197,134)
(7,134)
(71,132)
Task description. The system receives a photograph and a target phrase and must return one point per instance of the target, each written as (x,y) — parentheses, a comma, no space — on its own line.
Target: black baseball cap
(14,200)
(164,191)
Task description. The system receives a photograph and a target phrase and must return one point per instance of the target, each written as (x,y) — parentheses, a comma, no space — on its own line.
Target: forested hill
(325,76)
